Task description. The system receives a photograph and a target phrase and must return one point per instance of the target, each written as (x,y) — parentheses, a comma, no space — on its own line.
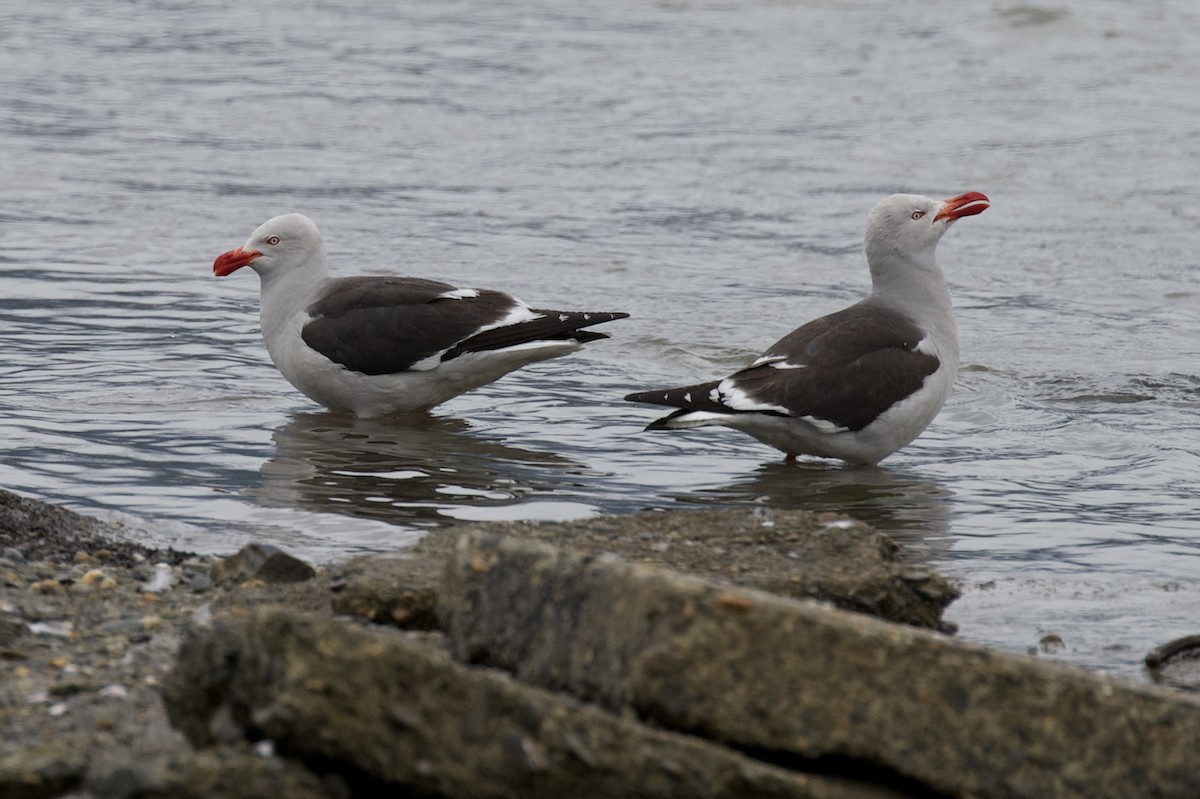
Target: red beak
(233,260)
(967,204)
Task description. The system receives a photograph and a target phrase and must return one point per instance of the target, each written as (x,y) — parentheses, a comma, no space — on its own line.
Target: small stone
(85,558)
(11,629)
(1051,643)
(150,622)
(70,688)
(94,577)
(195,565)
(42,770)
(263,562)
(203,615)
(59,628)
(200,583)
(734,603)
(47,587)
(13,555)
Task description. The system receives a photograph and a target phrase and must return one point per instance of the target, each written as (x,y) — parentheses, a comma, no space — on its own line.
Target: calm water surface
(705,166)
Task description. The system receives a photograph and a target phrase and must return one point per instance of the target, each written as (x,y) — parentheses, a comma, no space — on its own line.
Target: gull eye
(917,214)
(273,240)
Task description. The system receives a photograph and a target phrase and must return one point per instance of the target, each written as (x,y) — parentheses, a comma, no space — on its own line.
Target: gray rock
(264,562)
(40,771)
(121,774)
(390,713)
(790,553)
(11,629)
(199,583)
(805,680)
(395,591)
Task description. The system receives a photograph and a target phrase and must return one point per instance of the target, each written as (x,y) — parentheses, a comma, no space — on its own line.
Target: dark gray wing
(385,325)
(846,369)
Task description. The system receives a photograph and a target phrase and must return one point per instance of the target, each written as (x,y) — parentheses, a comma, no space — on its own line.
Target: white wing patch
(459,294)
(776,362)
(824,425)
(729,395)
(520,312)
(926,347)
(425,364)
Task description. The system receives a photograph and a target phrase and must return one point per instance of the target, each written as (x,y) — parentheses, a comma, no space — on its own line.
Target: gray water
(704,166)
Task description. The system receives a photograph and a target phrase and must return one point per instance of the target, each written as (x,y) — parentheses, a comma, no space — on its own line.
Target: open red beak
(967,204)
(235,259)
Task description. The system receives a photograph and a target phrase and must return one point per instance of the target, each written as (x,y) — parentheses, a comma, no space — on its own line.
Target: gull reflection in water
(911,508)
(422,470)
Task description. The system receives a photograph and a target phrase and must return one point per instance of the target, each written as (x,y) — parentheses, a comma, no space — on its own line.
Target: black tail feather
(661,423)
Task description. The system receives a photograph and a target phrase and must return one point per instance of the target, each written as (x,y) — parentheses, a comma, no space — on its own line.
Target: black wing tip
(584,318)
(664,422)
(586,336)
(652,397)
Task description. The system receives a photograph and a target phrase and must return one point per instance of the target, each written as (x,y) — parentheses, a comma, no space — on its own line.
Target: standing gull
(380,345)
(860,383)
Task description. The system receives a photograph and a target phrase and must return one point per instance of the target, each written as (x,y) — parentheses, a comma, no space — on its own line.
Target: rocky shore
(724,653)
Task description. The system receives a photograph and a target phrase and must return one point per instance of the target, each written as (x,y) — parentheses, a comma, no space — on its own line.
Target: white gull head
(909,226)
(281,245)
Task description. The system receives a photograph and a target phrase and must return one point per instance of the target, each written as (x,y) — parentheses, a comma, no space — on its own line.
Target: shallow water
(706,167)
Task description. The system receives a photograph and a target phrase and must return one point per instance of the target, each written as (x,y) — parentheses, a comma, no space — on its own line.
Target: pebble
(200,582)
(203,615)
(1051,643)
(195,565)
(96,578)
(150,622)
(262,562)
(47,587)
(114,691)
(59,629)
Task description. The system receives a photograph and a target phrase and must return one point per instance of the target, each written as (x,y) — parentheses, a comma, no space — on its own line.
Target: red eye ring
(272,240)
